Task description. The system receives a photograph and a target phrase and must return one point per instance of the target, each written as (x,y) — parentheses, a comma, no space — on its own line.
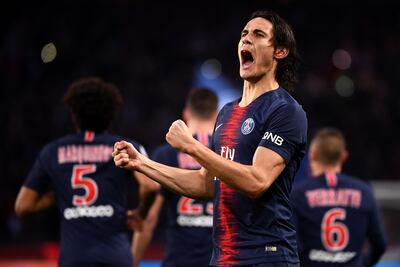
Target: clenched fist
(126,156)
(179,136)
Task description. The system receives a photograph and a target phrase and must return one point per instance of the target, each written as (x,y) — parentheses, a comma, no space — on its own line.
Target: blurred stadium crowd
(349,77)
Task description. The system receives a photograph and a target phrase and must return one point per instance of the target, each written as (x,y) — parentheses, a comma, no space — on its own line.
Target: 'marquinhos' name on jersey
(84,153)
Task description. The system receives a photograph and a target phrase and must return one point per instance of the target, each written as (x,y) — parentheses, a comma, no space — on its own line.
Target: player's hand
(134,220)
(179,136)
(126,156)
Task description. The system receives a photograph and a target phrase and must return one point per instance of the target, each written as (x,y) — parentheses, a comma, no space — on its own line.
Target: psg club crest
(247,126)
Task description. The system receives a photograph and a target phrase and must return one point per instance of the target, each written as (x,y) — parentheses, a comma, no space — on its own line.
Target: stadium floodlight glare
(211,68)
(49,53)
(341,59)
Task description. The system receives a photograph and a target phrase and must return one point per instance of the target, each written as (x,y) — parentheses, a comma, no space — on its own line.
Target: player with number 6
(335,214)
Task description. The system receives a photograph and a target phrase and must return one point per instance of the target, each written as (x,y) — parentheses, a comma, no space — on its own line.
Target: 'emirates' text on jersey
(91,195)
(334,214)
(188,240)
(251,231)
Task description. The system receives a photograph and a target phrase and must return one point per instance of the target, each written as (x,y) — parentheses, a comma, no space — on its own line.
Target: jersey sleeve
(38,178)
(286,130)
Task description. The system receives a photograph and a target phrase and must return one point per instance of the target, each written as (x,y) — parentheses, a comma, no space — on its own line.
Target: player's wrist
(191,147)
(141,162)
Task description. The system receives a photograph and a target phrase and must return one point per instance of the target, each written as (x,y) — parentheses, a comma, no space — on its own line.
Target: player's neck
(200,126)
(253,90)
(317,169)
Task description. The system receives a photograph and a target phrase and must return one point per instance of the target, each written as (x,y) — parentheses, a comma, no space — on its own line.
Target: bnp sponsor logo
(274,138)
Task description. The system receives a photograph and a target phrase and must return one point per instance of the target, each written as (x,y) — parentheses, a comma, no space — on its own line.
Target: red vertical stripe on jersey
(89,136)
(227,223)
(331,178)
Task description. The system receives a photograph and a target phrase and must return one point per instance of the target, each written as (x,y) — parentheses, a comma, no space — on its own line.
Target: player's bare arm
(252,180)
(141,239)
(190,183)
(29,201)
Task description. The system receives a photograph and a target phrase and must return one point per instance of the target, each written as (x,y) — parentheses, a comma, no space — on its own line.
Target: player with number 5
(77,173)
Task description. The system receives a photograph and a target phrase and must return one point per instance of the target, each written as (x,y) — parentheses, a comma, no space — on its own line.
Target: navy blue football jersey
(255,231)
(334,215)
(91,196)
(189,231)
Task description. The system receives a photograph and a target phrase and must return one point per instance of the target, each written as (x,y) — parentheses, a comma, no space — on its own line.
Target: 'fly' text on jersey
(227,152)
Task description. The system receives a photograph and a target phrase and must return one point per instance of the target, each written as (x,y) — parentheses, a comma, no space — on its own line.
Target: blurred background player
(189,229)
(257,145)
(89,191)
(335,214)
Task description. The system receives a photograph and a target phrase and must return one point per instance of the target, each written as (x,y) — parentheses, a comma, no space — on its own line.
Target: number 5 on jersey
(89,185)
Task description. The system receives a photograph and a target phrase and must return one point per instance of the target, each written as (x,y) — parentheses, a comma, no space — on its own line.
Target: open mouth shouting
(247,58)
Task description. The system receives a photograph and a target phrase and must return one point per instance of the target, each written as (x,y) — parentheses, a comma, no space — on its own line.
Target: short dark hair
(202,102)
(283,36)
(329,144)
(93,103)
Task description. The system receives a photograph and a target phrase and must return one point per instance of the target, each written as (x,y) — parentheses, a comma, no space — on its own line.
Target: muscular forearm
(250,180)
(190,183)
(142,239)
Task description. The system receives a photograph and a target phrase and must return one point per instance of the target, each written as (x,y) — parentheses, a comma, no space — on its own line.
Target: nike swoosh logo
(219,125)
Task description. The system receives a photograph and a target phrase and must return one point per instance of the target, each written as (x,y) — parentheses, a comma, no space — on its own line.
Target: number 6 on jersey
(334,235)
